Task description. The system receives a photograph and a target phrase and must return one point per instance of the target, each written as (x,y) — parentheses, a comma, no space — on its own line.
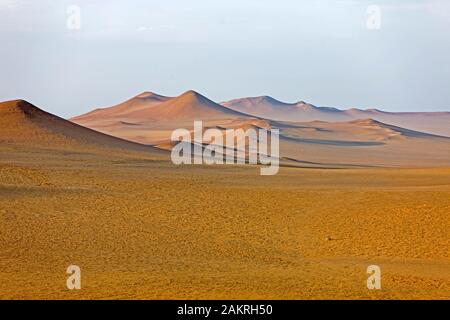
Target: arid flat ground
(141,228)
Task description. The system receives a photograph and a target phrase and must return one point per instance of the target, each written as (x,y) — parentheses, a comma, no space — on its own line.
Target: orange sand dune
(151,107)
(21,122)
(135,108)
(150,118)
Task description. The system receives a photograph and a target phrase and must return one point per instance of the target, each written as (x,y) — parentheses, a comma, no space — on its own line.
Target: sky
(68,57)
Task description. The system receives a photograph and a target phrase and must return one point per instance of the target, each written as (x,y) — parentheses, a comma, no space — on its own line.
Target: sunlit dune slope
(24,124)
(151,107)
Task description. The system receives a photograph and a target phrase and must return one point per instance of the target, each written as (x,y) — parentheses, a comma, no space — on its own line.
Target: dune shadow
(338,143)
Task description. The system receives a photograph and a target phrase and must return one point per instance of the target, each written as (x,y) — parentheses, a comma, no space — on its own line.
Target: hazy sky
(320,51)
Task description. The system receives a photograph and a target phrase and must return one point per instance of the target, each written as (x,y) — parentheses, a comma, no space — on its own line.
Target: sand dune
(348,142)
(135,108)
(151,107)
(362,143)
(358,143)
(267,107)
(270,108)
(192,106)
(21,123)
(150,118)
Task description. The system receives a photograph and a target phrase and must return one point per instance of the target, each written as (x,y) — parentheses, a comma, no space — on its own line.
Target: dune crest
(132,108)
(149,106)
(22,123)
(192,106)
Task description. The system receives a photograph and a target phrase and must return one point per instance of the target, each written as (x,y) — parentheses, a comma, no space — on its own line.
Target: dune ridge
(25,124)
(437,123)
(148,106)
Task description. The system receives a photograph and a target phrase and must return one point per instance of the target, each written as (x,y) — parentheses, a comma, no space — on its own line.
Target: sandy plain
(141,228)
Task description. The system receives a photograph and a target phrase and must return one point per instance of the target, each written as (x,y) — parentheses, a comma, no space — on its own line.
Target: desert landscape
(355,188)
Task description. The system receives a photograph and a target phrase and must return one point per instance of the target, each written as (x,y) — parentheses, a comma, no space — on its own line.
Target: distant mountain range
(267,107)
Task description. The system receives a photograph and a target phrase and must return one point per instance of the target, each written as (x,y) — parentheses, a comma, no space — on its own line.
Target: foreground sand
(144,229)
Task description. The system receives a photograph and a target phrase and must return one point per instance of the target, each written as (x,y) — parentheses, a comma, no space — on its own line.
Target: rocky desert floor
(142,228)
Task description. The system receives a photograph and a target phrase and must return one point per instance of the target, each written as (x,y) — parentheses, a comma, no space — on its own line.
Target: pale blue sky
(320,51)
